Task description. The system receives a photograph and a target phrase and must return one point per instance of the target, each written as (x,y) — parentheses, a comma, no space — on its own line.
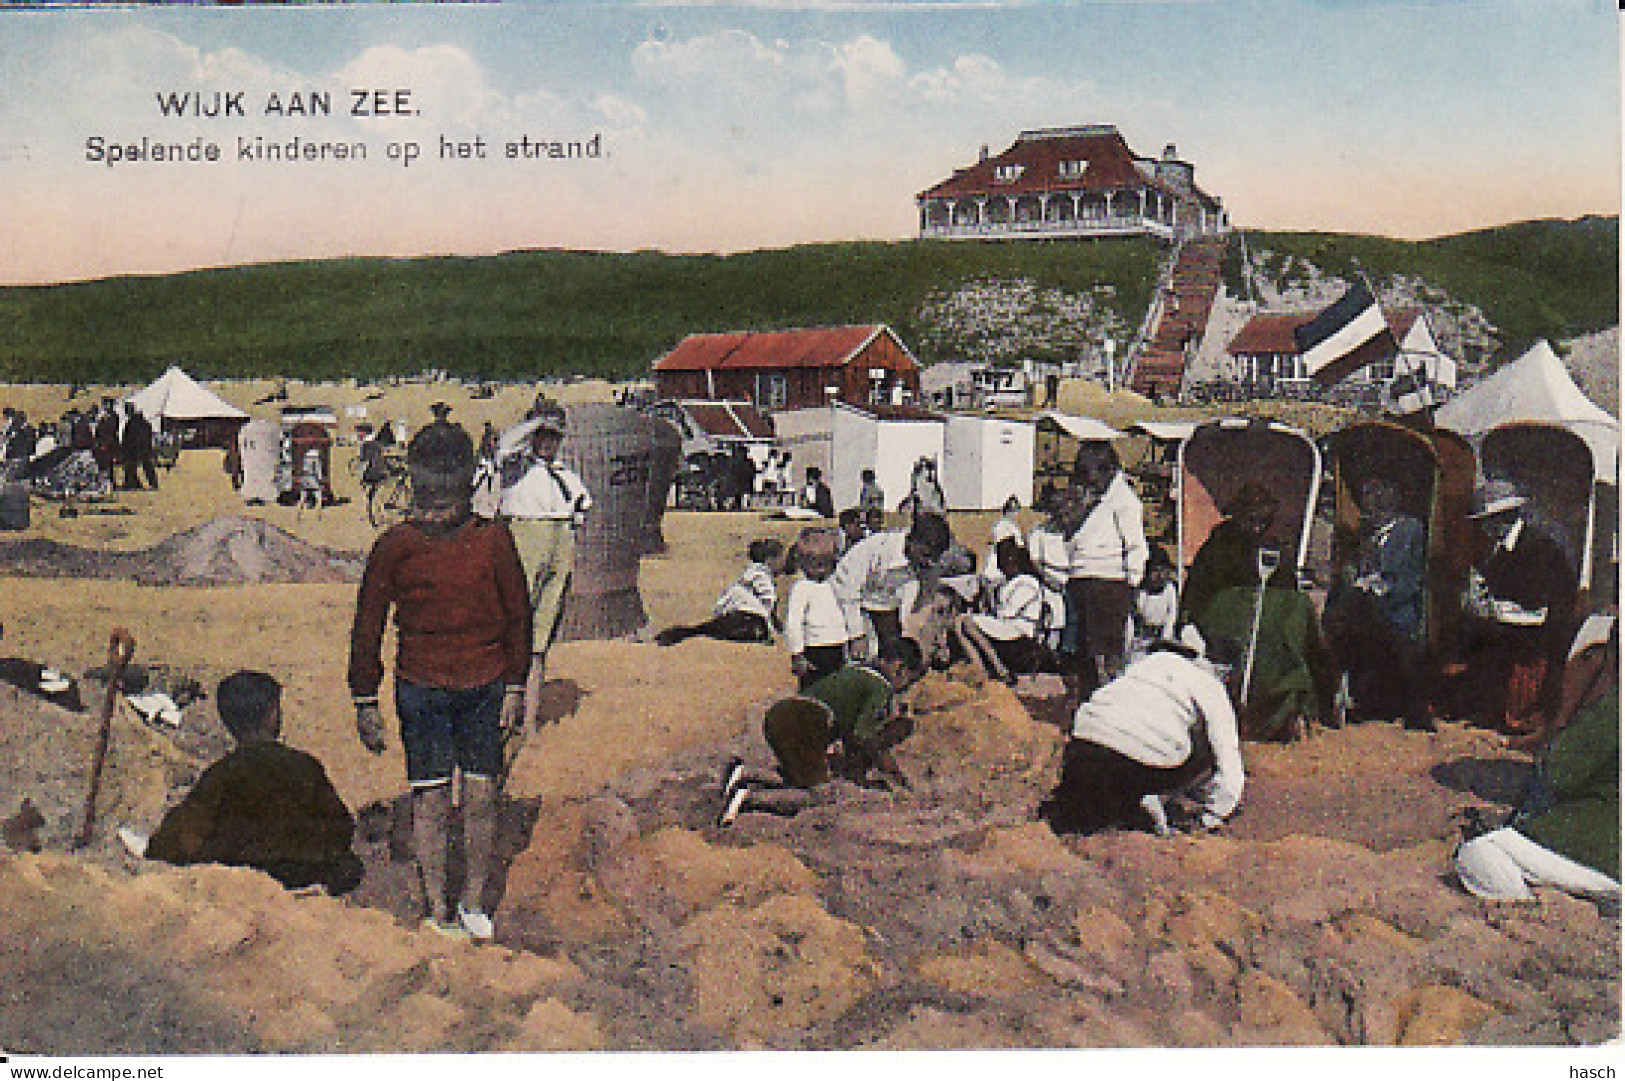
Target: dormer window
(1007,174)
(1072,170)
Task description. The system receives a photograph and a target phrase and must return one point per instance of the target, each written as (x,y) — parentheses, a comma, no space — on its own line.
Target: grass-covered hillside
(1538,279)
(526,313)
(557,313)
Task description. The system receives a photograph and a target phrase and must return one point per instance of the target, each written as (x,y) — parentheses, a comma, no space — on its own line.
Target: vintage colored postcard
(795,526)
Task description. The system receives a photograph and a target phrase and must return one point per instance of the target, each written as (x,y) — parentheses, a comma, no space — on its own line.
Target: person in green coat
(1292,671)
(1568,834)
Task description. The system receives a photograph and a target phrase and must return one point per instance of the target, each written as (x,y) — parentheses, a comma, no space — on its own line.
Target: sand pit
(942,916)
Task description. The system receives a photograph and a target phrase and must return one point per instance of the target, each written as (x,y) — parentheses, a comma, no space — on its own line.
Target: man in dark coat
(105,439)
(1374,614)
(1520,614)
(135,449)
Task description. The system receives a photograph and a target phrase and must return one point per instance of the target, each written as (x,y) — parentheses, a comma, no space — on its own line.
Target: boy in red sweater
(463,617)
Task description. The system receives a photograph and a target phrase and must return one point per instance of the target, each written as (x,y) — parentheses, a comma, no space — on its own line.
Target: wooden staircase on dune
(1177,318)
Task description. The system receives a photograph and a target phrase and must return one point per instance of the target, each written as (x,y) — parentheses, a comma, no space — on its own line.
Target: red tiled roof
(1269,332)
(822,347)
(1272,332)
(1111,167)
(729,420)
(1401,320)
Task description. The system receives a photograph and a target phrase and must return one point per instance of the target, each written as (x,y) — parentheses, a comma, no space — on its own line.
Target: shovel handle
(120,648)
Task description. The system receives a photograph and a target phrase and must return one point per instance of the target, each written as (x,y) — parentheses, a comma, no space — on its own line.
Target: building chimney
(983,155)
(1169,153)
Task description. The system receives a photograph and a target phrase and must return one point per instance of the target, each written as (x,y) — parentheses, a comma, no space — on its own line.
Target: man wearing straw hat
(1520,606)
(543,501)
(462,614)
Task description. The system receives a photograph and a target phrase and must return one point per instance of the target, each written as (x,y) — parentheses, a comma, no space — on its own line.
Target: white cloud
(728,56)
(870,71)
(858,76)
(974,78)
(448,85)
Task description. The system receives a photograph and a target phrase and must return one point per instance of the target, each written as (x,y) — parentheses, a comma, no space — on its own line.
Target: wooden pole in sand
(119,652)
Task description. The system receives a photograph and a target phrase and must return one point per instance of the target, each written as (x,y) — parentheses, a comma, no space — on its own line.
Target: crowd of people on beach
(1164,679)
(1164,682)
(118,437)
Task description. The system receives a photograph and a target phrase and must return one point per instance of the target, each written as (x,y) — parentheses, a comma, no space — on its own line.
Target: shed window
(772,391)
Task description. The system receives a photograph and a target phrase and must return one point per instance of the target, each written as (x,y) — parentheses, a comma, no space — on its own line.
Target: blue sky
(730,126)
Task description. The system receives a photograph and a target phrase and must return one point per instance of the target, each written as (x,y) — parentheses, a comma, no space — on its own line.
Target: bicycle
(389,492)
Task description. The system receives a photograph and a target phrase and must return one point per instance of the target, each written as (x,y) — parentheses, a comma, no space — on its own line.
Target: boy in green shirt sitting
(264,805)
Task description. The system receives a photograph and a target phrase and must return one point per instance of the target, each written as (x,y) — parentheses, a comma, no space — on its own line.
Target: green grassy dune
(537,313)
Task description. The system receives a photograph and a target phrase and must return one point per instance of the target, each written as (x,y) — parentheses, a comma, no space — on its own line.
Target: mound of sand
(943,916)
(218,960)
(229,550)
(46,753)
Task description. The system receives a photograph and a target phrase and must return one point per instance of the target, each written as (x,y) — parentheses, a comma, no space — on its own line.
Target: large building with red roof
(792,369)
(1071,182)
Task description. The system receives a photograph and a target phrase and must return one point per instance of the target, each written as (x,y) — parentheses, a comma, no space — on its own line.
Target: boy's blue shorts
(442,728)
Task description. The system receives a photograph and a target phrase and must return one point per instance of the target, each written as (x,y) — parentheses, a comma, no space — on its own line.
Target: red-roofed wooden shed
(791,369)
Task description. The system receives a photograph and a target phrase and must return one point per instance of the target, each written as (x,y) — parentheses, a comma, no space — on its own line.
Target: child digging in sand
(858,708)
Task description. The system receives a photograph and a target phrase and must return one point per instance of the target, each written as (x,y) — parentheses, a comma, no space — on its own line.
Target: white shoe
(476,923)
(1152,805)
(733,775)
(734,804)
(446,928)
(135,842)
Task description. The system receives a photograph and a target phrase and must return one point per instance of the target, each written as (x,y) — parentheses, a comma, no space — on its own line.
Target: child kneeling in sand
(859,707)
(264,805)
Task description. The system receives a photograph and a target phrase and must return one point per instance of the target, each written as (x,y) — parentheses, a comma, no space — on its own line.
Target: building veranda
(1071,182)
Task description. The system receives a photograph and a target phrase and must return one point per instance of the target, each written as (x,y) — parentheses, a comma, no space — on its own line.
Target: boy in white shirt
(1005,640)
(815,629)
(869,579)
(1166,726)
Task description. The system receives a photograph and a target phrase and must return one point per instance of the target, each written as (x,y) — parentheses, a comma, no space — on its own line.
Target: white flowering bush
(1004,321)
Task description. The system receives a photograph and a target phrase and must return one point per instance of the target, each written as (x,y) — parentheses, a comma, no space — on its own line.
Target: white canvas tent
(986,461)
(177,402)
(1537,387)
(177,396)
